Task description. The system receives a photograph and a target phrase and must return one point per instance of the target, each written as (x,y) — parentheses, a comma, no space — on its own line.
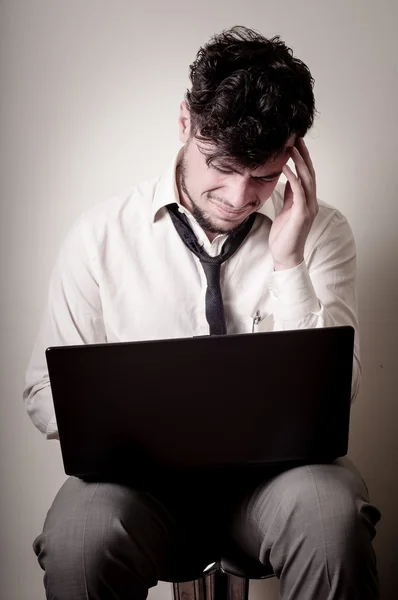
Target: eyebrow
(228,167)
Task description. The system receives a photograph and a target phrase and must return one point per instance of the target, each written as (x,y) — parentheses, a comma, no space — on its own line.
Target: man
(132,269)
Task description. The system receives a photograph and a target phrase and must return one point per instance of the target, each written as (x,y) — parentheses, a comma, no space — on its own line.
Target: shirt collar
(167,192)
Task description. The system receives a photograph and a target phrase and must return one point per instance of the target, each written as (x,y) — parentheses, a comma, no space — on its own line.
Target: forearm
(72,316)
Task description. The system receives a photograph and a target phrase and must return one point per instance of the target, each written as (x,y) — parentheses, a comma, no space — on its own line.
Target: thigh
(86,519)
(303,497)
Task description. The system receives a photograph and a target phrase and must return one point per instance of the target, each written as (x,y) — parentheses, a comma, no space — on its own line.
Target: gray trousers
(313,524)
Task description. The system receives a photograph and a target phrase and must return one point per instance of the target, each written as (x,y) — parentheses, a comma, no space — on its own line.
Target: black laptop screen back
(198,402)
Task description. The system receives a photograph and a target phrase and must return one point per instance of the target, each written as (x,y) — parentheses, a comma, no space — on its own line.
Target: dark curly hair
(249,95)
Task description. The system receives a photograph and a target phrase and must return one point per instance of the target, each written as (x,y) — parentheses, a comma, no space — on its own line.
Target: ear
(184,122)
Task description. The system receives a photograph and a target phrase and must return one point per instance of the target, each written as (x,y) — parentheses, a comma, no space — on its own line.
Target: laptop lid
(213,401)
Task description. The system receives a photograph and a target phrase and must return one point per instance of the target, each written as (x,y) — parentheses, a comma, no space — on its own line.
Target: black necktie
(211,264)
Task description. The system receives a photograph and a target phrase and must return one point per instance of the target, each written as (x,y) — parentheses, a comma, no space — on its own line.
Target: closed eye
(225,171)
(266,179)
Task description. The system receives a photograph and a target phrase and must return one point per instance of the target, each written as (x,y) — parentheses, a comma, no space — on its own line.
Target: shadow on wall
(374,439)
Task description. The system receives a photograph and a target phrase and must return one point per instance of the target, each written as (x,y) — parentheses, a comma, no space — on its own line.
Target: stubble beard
(197,212)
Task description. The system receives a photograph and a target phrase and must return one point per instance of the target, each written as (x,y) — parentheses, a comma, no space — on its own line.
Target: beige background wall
(89,95)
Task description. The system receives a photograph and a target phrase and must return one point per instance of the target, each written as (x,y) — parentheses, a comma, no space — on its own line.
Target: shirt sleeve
(73,316)
(321,291)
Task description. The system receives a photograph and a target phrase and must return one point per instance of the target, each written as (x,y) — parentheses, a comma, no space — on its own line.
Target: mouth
(228,213)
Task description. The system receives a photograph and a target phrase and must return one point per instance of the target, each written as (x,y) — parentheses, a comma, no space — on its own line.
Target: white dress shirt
(124,274)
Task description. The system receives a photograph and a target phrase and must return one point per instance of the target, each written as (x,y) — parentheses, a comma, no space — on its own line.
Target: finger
(301,167)
(287,197)
(308,182)
(307,158)
(302,148)
(299,197)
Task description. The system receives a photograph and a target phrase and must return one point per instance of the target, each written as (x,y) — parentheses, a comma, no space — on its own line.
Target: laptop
(248,400)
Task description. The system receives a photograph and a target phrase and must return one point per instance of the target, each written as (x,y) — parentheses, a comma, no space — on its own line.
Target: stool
(226,579)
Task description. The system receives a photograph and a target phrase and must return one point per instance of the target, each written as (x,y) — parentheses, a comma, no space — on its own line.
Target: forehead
(209,150)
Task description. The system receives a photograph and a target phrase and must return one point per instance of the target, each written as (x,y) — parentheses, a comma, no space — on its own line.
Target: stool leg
(221,585)
(238,588)
(200,589)
(215,586)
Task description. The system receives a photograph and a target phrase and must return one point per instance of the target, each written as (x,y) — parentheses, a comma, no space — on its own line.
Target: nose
(240,194)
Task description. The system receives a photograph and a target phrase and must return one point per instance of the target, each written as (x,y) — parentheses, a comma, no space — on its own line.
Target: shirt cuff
(293,295)
(52,429)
